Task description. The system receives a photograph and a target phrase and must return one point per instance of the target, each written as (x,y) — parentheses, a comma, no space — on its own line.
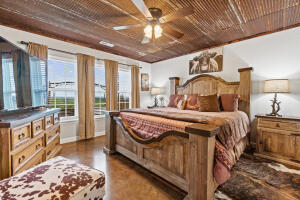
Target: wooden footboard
(184,159)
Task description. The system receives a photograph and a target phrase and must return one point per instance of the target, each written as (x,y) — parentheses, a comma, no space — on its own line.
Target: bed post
(201,185)
(110,132)
(174,81)
(245,89)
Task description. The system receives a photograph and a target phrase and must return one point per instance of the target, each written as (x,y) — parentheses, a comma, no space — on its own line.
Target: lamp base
(275,107)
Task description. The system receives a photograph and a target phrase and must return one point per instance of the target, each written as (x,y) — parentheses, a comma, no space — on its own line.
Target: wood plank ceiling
(86,22)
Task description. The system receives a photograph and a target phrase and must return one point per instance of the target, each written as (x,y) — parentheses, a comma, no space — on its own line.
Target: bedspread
(231,139)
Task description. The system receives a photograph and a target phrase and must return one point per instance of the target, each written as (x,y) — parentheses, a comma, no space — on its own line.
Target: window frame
(62,57)
(124,68)
(100,64)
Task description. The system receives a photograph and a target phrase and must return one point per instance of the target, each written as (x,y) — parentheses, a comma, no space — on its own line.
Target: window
(62,86)
(38,81)
(124,87)
(100,100)
(9,89)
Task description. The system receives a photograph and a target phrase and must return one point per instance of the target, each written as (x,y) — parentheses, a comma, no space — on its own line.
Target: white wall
(69,130)
(272,56)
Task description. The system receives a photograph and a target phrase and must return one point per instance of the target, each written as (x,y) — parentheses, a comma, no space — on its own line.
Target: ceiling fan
(154,19)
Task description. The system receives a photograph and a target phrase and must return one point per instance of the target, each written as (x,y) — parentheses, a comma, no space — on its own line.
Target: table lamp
(155,91)
(276,86)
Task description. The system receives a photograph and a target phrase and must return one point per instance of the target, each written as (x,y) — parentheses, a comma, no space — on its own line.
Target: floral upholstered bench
(58,178)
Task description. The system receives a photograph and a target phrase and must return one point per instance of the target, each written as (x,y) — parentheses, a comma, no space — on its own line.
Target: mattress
(58,178)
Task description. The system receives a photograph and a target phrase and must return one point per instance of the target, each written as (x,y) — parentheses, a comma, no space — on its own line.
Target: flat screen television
(23,78)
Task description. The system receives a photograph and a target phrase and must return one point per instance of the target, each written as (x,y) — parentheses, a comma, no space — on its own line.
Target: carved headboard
(205,84)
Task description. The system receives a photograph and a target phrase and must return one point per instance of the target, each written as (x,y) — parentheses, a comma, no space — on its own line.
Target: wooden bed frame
(184,159)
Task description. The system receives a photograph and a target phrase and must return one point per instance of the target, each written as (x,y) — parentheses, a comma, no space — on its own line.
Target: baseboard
(100,133)
(76,138)
(68,140)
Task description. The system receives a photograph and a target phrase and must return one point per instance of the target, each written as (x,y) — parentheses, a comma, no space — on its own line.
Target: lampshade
(155,91)
(277,86)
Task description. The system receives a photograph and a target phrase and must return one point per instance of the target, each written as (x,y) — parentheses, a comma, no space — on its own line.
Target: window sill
(75,119)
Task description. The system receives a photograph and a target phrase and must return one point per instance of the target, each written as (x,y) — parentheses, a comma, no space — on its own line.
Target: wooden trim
(201,162)
(174,78)
(245,69)
(4,155)
(140,140)
(209,76)
(205,130)
(245,90)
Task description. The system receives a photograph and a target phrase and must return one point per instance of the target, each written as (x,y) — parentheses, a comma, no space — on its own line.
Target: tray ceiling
(87,22)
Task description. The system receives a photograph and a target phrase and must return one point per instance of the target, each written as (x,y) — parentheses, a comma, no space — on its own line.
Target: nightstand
(278,139)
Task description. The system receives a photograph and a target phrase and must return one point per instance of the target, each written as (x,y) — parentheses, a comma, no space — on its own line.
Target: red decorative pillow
(192,102)
(174,99)
(230,102)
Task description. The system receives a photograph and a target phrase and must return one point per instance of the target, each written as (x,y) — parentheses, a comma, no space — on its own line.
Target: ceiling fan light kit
(154,19)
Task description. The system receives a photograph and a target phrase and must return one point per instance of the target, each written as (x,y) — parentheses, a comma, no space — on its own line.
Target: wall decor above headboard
(205,84)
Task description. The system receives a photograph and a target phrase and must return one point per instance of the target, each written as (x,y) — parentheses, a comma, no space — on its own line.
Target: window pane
(70,110)
(99,90)
(124,88)
(9,93)
(62,86)
(70,97)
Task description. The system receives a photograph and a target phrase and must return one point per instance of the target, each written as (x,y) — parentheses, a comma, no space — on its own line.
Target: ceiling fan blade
(118,28)
(145,40)
(140,4)
(182,12)
(172,32)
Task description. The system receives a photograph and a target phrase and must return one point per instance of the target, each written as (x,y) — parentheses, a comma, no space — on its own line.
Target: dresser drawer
(49,121)
(52,148)
(37,127)
(279,124)
(35,160)
(20,135)
(56,118)
(21,158)
(52,134)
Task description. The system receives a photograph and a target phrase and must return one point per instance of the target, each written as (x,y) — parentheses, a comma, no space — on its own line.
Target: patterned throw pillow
(230,102)
(174,99)
(181,104)
(192,102)
(209,103)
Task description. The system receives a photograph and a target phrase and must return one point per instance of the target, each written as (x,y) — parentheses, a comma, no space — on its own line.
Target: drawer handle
(21,136)
(37,146)
(21,159)
(38,128)
(277,125)
(49,152)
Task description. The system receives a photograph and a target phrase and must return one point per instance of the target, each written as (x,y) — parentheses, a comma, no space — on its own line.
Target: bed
(192,150)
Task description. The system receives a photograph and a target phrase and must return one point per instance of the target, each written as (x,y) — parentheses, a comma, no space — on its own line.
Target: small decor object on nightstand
(155,91)
(276,86)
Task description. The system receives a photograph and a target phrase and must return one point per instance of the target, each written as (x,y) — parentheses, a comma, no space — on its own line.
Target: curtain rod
(74,54)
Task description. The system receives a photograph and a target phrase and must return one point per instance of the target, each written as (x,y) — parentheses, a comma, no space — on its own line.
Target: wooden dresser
(278,138)
(27,139)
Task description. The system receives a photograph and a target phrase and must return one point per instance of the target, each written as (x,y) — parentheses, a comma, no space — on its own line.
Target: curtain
(86,95)
(1,85)
(111,83)
(38,50)
(38,70)
(135,87)
(21,70)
